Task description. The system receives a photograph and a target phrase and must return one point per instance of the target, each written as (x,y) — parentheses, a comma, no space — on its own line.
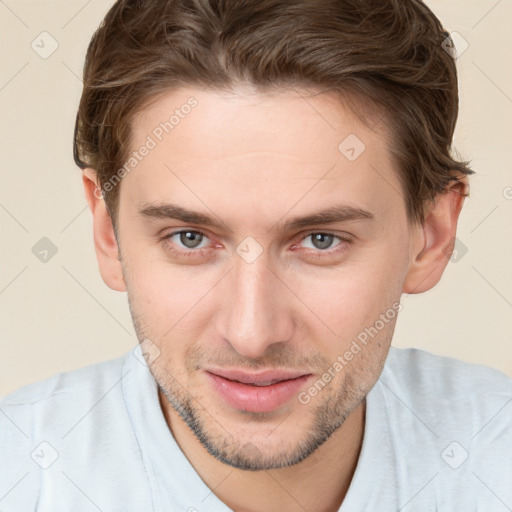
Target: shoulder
(446,392)
(55,402)
(451,418)
(444,375)
(90,379)
(73,423)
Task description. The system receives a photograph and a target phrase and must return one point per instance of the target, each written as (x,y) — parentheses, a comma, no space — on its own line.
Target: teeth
(269,383)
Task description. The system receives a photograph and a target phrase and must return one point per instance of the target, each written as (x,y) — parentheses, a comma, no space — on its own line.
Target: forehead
(259,148)
(220,121)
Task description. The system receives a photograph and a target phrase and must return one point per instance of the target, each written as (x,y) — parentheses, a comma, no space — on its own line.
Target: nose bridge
(255,316)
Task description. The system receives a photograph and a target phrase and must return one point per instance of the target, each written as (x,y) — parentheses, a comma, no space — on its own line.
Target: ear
(105,242)
(434,241)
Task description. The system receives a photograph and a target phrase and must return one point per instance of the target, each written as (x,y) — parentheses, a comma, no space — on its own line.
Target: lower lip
(257,398)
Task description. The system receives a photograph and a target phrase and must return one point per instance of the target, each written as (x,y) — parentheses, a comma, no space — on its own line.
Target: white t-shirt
(438,437)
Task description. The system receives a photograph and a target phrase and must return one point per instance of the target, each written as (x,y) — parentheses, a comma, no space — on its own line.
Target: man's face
(251,291)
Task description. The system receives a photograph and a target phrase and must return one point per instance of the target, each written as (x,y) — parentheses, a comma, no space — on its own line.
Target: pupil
(322,240)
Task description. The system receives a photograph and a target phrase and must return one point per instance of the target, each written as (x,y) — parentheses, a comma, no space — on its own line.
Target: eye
(186,241)
(191,243)
(321,241)
(322,247)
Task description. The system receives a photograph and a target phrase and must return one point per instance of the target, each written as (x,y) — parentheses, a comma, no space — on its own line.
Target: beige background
(58,315)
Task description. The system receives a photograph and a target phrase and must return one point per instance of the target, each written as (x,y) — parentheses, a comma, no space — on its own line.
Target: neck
(320,482)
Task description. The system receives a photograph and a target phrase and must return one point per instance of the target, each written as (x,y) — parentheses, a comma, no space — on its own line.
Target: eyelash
(191,253)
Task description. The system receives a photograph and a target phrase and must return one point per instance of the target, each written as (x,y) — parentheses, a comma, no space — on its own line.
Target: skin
(255,160)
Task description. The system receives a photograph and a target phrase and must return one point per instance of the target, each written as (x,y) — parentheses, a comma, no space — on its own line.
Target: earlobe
(433,242)
(105,242)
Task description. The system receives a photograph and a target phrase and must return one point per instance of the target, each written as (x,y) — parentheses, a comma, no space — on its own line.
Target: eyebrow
(337,213)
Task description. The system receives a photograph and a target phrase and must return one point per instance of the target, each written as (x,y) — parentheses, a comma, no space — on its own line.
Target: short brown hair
(388,53)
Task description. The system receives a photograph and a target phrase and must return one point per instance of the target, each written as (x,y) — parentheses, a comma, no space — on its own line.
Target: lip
(240,390)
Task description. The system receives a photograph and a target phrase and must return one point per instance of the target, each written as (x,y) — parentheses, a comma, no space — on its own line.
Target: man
(266,179)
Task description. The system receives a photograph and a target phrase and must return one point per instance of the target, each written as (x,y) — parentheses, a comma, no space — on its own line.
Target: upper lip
(257,378)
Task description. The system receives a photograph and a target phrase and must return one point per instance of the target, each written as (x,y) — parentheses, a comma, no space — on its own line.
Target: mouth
(261,392)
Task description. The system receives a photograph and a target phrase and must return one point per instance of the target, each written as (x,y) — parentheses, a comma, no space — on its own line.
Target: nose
(257,310)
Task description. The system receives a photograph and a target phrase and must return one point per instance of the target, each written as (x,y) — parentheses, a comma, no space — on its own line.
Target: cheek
(347,301)
(169,299)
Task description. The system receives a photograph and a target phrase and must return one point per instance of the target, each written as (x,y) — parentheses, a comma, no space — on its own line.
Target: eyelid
(327,232)
(302,236)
